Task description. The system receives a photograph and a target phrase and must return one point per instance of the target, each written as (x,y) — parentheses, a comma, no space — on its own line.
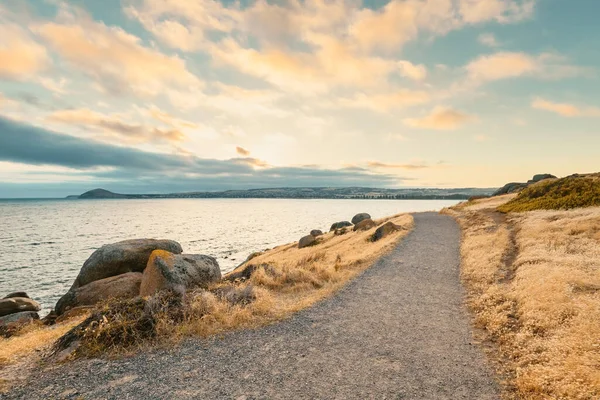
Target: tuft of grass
(557,194)
(533,286)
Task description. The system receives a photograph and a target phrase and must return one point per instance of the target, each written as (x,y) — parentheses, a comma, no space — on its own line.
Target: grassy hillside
(558,194)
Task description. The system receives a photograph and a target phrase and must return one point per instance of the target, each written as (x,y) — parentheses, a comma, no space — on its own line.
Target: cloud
(503,11)
(242,151)
(440,118)
(113,124)
(377,164)
(21,57)
(488,39)
(565,109)
(332,64)
(412,71)
(384,102)
(115,59)
(132,169)
(505,65)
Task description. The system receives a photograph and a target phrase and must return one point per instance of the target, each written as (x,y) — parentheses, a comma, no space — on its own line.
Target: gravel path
(399,331)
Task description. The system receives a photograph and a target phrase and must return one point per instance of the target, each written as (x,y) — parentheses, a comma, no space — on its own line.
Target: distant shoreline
(355,193)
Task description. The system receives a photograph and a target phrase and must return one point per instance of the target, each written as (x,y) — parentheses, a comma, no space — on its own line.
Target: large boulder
(316,232)
(306,241)
(122,257)
(178,272)
(15,305)
(360,217)
(364,225)
(384,230)
(124,286)
(19,318)
(339,225)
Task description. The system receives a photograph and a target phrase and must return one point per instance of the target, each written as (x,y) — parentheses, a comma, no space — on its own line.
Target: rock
(17,294)
(514,187)
(316,232)
(541,177)
(19,317)
(124,286)
(308,240)
(15,305)
(510,188)
(385,230)
(364,225)
(360,217)
(341,231)
(178,272)
(339,225)
(245,272)
(119,258)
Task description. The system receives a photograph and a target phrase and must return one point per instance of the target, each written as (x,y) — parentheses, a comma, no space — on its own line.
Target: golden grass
(287,279)
(34,339)
(533,281)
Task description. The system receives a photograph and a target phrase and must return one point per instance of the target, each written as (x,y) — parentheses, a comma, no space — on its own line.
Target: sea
(44,243)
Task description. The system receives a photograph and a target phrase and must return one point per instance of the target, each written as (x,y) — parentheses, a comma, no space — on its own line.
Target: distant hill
(102,194)
(306,193)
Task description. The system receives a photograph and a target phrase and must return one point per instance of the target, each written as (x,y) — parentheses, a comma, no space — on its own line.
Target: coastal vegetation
(557,194)
(533,284)
(268,287)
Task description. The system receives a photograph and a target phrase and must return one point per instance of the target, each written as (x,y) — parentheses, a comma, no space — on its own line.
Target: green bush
(557,194)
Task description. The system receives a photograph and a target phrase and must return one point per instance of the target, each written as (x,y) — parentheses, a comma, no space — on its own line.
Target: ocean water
(43,243)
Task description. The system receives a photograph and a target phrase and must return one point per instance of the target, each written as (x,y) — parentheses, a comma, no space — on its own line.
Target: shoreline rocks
(339,225)
(360,217)
(124,286)
(178,272)
(121,257)
(14,305)
(364,225)
(306,241)
(384,230)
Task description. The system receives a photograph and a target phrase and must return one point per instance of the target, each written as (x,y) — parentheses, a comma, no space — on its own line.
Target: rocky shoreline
(148,268)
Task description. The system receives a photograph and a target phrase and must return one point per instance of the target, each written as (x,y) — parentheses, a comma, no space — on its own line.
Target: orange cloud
(565,109)
(440,118)
(241,151)
(505,65)
(20,56)
(112,124)
(115,59)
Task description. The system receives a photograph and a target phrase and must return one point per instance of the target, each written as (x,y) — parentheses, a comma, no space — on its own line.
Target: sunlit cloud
(115,59)
(377,164)
(21,57)
(565,109)
(488,39)
(440,118)
(115,125)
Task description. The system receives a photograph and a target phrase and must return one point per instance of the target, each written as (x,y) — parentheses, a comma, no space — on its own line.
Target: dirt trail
(399,331)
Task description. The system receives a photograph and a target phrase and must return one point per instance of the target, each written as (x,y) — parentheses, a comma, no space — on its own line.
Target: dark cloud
(135,171)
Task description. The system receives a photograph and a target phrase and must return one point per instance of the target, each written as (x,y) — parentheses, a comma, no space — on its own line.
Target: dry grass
(534,286)
(286,279)
(32,340)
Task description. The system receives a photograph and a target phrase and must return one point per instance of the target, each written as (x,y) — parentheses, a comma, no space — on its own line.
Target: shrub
(561,194)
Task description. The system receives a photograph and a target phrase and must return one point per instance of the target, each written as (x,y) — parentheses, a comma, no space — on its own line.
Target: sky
(158,96)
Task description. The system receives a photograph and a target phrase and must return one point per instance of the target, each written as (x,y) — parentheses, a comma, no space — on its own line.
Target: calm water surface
(43,243)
